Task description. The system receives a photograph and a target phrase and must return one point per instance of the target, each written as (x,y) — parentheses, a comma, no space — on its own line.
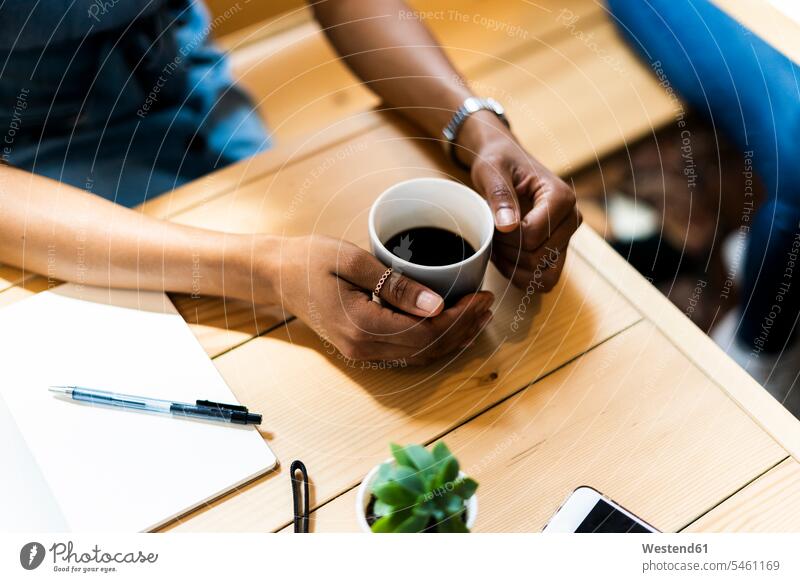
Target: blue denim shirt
(125,98)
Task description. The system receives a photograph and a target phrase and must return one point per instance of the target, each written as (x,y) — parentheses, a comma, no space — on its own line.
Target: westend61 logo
(67,559)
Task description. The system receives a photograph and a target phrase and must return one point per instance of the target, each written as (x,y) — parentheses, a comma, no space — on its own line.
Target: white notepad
(67,466)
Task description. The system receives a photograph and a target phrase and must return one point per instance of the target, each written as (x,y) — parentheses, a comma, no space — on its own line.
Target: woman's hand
(328,284)
(399,59)
(535,211)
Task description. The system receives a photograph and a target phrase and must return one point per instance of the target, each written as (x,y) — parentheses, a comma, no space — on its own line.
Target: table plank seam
(733,493)
(21,281)
(274,327)
(11,283)
(512,394)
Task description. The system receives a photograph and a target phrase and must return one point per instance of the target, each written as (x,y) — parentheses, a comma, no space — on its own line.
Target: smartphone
(587,510)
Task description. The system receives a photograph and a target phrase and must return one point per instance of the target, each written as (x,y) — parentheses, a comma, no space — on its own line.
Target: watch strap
(468,107)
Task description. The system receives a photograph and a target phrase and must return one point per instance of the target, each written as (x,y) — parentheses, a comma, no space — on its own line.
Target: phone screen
(604,518)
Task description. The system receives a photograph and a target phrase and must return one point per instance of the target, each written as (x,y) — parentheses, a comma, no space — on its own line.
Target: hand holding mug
(535,211)
(328,283)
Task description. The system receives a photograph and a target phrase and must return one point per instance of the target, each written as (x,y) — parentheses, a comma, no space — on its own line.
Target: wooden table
(605,383)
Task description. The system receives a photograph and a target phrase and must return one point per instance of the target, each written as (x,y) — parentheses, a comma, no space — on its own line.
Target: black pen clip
(300,514)
(238,414)
(234,407)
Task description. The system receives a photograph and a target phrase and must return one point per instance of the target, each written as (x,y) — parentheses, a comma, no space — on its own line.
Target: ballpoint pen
(204,409)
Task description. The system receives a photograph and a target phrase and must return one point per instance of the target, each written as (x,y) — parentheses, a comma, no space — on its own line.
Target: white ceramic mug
(434,202)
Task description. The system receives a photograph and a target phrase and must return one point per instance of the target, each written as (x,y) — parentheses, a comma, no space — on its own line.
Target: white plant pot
(364,495)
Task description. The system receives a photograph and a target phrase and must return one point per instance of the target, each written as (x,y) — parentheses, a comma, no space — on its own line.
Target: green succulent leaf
(448,473)
(400,455)
(409,479)
(395,495)
(440,452)
(385,472)
(382,508)
(420,457)
(441,501)
(427,505)
(416,523)
(454,504)
(430,481)
(466,488)
(389,523)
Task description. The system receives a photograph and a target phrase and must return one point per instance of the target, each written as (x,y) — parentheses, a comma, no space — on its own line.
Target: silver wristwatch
(471,105)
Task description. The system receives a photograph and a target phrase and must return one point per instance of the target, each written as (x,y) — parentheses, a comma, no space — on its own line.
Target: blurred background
(244,13)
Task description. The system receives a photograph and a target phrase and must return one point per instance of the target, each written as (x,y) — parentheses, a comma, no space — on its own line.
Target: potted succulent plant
(417,491)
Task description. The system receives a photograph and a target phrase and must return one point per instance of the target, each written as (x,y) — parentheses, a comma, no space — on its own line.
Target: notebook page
(26,502)
(112,469)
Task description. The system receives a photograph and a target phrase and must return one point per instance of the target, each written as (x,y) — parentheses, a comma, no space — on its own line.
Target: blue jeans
(751,93)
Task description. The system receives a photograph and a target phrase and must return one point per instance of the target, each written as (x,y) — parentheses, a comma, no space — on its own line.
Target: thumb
(497,187)
(365,271)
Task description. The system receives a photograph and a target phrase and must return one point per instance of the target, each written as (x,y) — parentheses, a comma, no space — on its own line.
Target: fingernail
(505,217)
(428,302)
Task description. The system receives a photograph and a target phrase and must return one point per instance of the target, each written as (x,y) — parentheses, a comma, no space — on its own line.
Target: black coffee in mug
(429,246)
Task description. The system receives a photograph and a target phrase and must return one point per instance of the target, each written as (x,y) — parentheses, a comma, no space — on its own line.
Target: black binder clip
(301,514)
